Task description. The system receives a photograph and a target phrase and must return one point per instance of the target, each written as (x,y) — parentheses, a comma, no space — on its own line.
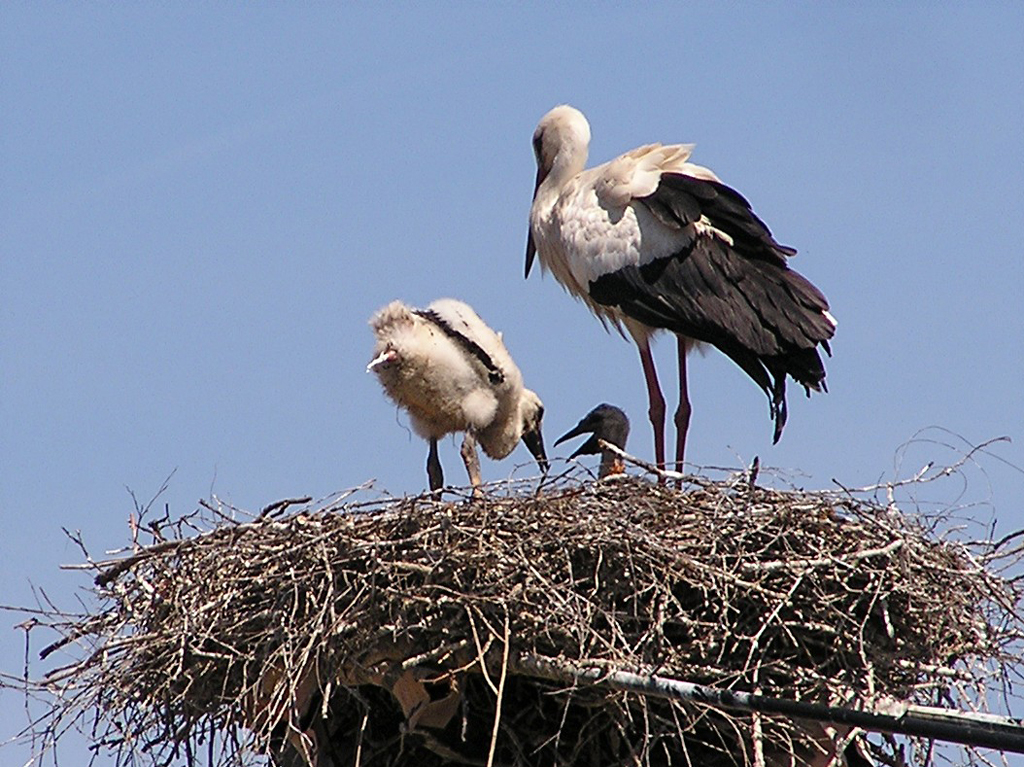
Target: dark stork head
(605,422)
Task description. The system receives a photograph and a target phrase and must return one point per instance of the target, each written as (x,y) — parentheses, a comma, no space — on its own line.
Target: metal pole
(982,730)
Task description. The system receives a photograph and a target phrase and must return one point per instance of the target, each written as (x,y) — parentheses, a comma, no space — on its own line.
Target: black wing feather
(494,374)
(726,209)
(741,298)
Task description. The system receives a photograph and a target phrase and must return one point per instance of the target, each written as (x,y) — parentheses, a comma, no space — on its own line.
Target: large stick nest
(401,631)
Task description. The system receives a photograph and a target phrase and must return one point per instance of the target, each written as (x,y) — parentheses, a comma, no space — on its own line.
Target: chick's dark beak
(535,444)
(581,428)
(590,447)
(605,422)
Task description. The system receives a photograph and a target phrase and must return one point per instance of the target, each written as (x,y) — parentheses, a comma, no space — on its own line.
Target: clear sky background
(202,205)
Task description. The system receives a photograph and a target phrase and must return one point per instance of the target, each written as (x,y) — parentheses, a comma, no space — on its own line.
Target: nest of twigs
(409,631)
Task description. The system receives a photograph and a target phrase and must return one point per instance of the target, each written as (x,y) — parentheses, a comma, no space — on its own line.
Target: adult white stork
(452,373)
(650,241)
(605,422)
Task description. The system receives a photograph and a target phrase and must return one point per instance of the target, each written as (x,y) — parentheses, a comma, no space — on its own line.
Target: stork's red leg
(656,410)
(683,411)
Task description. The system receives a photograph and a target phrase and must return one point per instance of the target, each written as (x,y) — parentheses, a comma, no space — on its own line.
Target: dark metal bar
(982,730)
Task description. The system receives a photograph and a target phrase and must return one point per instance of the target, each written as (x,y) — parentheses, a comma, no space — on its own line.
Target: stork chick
(452,373)
(605,422)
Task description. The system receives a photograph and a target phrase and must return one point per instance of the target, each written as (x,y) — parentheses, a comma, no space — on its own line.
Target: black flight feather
(688,199)
(766,317)
(494,374)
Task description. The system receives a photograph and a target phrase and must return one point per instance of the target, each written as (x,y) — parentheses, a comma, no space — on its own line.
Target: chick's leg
(434,473)
(472,461)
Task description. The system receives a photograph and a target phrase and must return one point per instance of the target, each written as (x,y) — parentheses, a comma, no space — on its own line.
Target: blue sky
(201,206)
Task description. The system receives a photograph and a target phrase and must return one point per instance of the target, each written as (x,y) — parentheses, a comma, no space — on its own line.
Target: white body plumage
(452,373)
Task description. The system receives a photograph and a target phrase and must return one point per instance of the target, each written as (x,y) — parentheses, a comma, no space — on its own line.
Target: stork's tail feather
(770,373)
(805,367)
(779,410)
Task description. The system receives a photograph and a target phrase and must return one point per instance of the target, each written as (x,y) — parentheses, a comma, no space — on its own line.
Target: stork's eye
(538,143)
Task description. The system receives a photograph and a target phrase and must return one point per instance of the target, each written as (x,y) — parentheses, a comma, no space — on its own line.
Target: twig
(651,468)
(501,694)
(279,506)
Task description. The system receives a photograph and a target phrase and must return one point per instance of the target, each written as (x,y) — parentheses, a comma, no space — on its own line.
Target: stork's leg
(434,473)
(683,411)
(472,461)
(656,410)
